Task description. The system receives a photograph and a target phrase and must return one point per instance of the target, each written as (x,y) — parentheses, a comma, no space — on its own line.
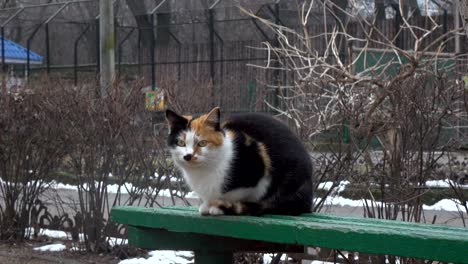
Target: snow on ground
(341,201)
(183,257)
(123,189)
(267,258)
(341,186)
(444,205)
(444,184)
(51,247)
(326,186)
(49,233)
(77,249)
(57,234)
(115,241)
(163,257)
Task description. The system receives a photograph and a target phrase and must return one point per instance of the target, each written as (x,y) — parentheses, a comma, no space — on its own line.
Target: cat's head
(195,142)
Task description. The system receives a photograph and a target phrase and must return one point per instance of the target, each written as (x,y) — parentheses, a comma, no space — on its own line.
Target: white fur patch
(204,208)
(189,141)
(206,176)
(251,194)
(215,211)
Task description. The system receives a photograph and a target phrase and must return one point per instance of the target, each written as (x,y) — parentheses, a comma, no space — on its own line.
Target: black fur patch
(290,191)
(247,167)
(176,124)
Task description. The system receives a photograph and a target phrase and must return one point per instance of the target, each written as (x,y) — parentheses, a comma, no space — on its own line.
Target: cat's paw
(220,207)
(215,211)
(204,209)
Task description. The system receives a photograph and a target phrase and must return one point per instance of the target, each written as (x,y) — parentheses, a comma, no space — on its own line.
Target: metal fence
(203,41)
(202,44)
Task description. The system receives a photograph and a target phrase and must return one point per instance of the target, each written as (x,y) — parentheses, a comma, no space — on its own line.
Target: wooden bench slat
(317,217)
(165,240)
(332,221)
(372,236)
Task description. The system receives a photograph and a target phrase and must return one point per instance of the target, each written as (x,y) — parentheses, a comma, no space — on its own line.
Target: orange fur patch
(231,134)
(248,140)
(219,203)
(205,130)
(265,157)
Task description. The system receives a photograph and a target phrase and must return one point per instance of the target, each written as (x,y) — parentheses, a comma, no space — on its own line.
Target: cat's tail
(296,203)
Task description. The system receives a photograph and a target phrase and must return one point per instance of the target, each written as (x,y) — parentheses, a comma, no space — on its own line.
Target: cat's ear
(214,117)
(175,121)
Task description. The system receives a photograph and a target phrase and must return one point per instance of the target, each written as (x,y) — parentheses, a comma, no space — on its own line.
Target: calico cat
(251,164)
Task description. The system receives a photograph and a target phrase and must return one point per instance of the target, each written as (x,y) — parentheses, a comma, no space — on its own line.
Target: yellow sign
(465,80)
(154,101)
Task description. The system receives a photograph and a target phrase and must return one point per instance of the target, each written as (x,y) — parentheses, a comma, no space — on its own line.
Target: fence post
(277,64)
(47,46)
(212,53)
(445,24)
(75,54)
(107,38)
(153,46)
(28,49)
(346,132)
(4,67)
(119,52)
(398,20)
(98,58)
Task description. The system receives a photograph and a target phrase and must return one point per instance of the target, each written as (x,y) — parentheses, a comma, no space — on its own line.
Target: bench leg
(213,257)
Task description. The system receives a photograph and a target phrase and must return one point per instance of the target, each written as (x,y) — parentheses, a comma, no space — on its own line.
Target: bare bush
(188,97)
(30,149)
(111,148)
(395,105)
(110,142)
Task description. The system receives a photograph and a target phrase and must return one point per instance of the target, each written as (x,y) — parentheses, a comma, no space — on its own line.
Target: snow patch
(326,186)
(267,258)
(447,183)
(115,241)
(163,257)
(444,205)
(49,233)
(51,247)
(123,189)
(439,183)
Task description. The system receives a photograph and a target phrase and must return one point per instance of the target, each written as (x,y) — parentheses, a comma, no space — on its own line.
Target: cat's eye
(180,143)
(202,143)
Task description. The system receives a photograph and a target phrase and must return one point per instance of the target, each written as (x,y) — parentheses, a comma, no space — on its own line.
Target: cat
(251,164)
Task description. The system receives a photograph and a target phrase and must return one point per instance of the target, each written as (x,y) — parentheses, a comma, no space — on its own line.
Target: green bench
(214,239)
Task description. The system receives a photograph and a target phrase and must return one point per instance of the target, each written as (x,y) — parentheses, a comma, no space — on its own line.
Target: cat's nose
(188,157)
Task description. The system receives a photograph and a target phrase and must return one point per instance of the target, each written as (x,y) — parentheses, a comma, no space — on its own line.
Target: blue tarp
(17,54)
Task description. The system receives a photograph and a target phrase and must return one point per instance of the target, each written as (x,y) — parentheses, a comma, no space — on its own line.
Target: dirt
(22,253)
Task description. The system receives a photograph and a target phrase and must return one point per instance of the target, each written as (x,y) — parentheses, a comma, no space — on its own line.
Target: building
(16,59)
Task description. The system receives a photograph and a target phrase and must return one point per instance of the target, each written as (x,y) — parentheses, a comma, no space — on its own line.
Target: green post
(346,133)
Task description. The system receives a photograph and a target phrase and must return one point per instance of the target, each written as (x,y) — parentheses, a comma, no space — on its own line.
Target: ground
(24,253)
